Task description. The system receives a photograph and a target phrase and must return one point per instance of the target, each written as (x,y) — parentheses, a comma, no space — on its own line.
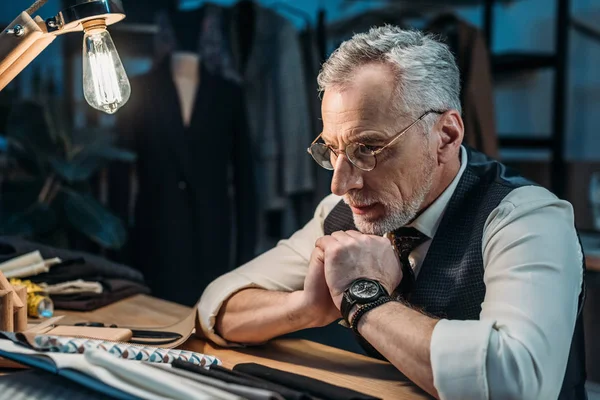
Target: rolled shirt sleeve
(282,268)
(533,275)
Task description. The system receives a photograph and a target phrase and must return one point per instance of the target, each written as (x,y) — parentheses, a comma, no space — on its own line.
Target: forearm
(254,316)
(403,336)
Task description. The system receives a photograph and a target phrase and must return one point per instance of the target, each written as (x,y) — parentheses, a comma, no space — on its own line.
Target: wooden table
(303,357)
(591,248)
(592,263)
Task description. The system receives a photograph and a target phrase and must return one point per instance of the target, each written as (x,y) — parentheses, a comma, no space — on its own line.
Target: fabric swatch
(75,265)
(41,385)
(248,393)
(113,291)
(312,386)
(70,345)
(237,378)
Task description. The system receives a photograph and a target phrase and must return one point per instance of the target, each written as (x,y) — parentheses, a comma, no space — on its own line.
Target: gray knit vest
(450,283)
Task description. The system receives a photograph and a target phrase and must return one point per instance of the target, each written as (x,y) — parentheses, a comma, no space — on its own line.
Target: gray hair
(426,74)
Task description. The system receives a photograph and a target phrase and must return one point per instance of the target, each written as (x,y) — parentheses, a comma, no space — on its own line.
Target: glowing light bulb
(105,83)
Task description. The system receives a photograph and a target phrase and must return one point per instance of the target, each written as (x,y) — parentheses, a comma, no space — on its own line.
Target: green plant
(52,192)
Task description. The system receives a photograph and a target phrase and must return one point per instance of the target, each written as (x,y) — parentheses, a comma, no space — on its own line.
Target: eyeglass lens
(358,154)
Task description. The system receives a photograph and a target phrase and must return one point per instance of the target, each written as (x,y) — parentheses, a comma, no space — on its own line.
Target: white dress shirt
(519,346)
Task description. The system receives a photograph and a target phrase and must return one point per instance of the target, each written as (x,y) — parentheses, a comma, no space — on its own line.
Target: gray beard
(397,218)
(398,213)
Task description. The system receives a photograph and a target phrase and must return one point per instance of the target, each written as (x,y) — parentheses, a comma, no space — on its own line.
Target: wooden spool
(6,311)
(5,285)
(20,314)
(13,306)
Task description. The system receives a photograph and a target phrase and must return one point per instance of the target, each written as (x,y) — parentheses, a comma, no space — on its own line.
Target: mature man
(498,266)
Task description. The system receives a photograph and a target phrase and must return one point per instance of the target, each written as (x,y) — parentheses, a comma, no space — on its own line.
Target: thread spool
(20,323)
(5,285)
(6,311)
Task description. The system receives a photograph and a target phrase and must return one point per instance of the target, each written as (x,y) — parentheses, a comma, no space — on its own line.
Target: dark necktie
(405,240)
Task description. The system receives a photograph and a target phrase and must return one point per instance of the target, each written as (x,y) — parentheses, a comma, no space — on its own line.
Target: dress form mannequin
(185,61)
(185,67)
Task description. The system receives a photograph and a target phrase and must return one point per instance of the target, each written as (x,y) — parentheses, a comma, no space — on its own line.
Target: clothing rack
(424,3)
(514,63)
(585,29)
(321,29)
(297,12)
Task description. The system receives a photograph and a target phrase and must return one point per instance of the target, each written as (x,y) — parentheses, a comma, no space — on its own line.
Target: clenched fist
(351,255)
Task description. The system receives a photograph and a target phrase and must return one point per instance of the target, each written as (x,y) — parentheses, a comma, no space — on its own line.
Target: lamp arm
(18,50)
(36,6)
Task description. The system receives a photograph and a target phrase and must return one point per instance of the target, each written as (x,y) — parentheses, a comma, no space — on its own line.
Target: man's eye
(372,148)
(364,150)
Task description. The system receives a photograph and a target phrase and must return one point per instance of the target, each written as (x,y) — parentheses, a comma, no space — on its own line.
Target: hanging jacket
(477,94)
(260,50)
(185,209)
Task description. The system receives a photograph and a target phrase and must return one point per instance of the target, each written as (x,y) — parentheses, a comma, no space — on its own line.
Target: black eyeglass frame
(357,145)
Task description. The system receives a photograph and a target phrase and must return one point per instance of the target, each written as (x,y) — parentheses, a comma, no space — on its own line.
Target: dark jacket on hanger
(311,66)
(477,94)
(258,48)
(195,184)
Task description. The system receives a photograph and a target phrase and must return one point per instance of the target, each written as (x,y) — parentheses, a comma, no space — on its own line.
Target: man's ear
(450,128)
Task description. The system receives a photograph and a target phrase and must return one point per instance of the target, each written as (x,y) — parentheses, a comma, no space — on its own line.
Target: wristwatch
(361,291)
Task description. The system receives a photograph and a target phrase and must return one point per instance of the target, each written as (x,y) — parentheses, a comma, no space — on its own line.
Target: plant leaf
(92,149)
(116,154)
(17,196)
(28,132)
(100,142)
(76,170)
(39,219)
(92,219)
(3,144)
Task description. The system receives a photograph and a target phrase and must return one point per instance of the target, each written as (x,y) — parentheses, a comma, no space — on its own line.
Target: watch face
(364,290)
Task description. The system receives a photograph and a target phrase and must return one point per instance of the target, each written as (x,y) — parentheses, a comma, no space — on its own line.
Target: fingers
(358,235)
(343,237)
(325,241)
(355,234)
(318,252)
(317,255)
(338,236)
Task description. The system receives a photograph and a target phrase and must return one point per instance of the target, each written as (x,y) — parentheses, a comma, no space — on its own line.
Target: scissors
(152,337)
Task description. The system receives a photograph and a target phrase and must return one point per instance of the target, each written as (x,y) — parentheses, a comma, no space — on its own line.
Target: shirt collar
(429,220)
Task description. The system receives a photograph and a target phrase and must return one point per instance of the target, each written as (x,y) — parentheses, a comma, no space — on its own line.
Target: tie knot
(406,239)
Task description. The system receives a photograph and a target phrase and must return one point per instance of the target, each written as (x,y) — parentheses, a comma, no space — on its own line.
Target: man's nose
(345,176)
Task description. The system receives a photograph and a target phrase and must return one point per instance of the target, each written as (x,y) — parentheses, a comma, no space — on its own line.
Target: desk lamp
(105,84)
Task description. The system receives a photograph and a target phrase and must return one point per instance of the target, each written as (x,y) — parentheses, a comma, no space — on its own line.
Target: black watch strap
(346,306)
(364,308)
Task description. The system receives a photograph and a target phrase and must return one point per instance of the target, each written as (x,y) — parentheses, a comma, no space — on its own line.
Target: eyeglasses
(360,155)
